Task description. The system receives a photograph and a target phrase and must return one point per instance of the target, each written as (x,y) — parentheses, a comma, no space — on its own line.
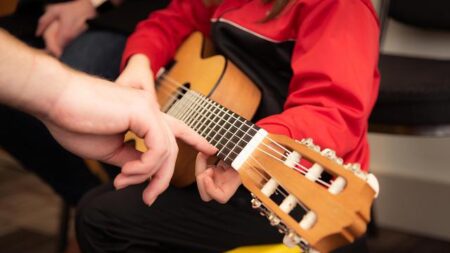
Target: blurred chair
(414,96)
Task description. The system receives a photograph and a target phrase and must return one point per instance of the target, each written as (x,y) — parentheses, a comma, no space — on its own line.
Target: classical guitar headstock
(316,200)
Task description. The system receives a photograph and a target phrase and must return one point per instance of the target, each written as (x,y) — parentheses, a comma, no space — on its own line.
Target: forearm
(29,80)
(160,35)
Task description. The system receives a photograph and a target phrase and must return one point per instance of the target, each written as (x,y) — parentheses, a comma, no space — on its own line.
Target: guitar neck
(222,128)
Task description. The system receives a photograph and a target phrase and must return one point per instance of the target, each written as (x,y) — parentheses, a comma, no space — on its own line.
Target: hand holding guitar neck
(158,162)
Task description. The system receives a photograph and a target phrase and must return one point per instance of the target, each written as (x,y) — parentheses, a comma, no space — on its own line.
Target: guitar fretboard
(223,128)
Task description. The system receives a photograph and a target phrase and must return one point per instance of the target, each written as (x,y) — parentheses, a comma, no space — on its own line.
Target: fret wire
(213,113)
(226,131)
(193,112)
(254,128)
(183,108)
(188,109)
(232,151)
(205,119)
(237,143)
(172,110)
(220,127)
(232,133)
(179,106)
(222,114)
(200,115)
(217,117)
(234,116)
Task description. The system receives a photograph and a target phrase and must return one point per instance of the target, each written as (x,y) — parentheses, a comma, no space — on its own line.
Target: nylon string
(302,169)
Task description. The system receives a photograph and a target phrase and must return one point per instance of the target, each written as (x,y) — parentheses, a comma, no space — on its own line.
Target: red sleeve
(335,80)
(163,31)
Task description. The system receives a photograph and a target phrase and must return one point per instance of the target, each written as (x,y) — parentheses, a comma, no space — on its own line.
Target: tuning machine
(291,238)
(308,142)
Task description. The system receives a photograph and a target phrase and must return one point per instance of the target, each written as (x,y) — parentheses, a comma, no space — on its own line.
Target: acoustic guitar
(309,194)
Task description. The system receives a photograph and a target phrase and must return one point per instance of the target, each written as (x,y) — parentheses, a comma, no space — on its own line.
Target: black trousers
(178,221)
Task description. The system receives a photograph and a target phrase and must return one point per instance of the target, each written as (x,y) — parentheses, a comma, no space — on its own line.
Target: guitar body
(211,75)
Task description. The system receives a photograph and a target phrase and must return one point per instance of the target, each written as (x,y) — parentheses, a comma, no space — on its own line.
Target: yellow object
(138,142)
(273,248)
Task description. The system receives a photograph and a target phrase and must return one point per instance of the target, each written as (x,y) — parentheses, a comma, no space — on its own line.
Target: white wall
(414,172)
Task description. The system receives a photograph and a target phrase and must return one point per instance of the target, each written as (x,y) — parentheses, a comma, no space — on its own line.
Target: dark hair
(278,6)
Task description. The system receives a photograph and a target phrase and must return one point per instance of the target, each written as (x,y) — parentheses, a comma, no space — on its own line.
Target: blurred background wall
(414,172)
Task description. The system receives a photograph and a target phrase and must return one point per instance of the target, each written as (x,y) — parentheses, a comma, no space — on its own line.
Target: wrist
(48,80)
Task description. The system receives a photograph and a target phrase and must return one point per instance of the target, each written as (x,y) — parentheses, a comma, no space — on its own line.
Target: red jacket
(319,57)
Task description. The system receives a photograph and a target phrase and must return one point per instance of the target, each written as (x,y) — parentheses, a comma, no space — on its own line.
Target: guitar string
(268,153)
(277,190)
(238,129)
(282,193)
(302,169)
(176,85)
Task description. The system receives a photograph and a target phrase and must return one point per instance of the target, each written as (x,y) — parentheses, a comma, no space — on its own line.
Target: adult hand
(138,75)
(215,182)
(91,116)
(63,22)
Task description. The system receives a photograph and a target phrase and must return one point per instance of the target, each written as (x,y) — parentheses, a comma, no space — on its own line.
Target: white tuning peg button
(288,203)
(292,159)
(314,172)
(373,182)
(308,220)
(337,186)
(291,240)
(270,187)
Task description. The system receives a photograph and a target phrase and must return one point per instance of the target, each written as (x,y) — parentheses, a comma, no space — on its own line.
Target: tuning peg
(307,142)
(329,153)
(282,229)
(291,239)
(255,203)
(274,220)
(373,182)
(310,144)
(356,169)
